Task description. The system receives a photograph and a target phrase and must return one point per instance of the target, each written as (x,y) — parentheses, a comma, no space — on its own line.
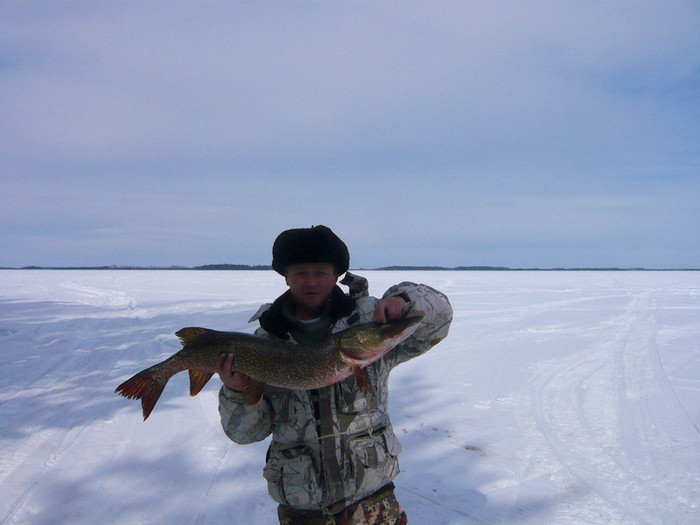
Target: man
(333,454)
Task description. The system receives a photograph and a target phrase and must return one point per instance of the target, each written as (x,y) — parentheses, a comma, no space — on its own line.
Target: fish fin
(252,392)
(363,380)
(198,380)
(143,386)
(189,334)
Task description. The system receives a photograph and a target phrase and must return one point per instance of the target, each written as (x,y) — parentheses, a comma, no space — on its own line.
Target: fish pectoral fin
(362,378)
(198,380)
(252,392)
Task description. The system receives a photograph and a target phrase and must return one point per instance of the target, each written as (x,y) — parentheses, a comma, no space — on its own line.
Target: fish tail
(145,386)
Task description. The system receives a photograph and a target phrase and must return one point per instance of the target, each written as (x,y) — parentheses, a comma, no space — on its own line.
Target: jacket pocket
(374,460)
(292,478)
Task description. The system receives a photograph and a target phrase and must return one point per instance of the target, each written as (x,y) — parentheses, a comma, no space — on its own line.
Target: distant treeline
(506,269)
(502,269)
(232,267)
(116,267)
(384,268)
(441,268)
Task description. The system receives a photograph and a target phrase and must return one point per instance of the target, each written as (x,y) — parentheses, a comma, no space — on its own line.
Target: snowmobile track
(596,415)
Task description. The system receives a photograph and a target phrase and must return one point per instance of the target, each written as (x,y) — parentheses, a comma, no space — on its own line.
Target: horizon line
(265,267)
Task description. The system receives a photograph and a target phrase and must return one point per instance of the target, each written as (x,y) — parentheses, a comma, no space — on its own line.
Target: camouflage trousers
(380,508)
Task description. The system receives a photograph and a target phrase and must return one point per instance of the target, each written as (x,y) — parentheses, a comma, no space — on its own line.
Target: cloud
(241,119)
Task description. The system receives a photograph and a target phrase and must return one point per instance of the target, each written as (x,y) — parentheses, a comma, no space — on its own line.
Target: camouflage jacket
(335,445)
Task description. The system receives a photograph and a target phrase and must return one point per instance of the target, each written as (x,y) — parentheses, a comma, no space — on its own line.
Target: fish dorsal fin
(198,380)
(189,334)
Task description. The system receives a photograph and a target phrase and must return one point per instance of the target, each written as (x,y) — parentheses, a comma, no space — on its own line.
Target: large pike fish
(273,363)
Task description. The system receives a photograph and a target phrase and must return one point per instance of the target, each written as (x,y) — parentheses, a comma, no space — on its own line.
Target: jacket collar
(276,322)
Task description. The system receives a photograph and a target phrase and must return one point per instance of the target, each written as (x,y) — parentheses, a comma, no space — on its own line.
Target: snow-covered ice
(558,398)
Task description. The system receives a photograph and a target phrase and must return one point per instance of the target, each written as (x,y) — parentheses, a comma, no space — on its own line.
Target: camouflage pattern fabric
(380,508)
(336,444)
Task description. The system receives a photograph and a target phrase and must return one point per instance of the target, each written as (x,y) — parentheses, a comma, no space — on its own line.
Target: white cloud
(259,116)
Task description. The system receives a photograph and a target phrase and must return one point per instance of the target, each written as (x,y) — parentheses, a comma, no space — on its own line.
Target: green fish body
(285,365)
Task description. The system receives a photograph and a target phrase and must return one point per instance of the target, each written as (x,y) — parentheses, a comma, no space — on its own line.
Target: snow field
(559,397)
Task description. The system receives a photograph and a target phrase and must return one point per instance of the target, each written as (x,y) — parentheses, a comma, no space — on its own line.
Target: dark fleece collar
(278,324)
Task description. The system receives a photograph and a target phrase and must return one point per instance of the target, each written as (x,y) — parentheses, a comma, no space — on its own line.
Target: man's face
(311,285)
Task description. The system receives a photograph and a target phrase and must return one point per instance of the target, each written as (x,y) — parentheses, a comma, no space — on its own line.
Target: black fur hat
(309,245)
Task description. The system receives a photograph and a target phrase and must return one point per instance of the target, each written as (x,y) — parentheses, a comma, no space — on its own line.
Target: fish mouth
(393,332)
(402,326)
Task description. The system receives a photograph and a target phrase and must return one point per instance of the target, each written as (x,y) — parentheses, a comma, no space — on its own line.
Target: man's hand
(388,309)
(234,380)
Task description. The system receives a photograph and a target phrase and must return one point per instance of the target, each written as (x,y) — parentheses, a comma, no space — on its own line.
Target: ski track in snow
(605,415)
(559,397)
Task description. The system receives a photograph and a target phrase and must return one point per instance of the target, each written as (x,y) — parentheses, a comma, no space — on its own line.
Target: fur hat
(317,244)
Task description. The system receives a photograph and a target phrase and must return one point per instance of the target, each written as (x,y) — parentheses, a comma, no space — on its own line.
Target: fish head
(365,343)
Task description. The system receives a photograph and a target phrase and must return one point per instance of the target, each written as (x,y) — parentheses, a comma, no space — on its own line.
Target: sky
(449,133)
